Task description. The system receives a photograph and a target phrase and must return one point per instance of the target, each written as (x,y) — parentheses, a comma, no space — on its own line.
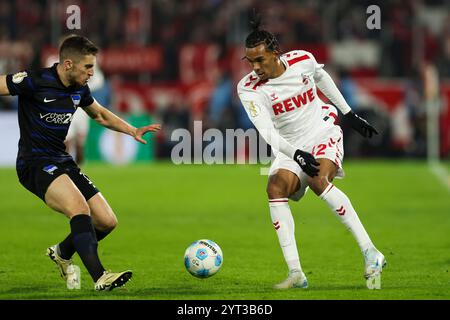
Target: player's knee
(110,224)
(275,190)
(318,184)
(106,224)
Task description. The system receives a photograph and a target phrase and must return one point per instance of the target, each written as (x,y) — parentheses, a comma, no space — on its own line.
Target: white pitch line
(441,173)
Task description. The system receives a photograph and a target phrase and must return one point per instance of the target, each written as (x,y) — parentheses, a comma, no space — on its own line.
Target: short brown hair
(75,47)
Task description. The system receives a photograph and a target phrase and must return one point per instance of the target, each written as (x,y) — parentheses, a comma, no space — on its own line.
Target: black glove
(360,125)
(306,161)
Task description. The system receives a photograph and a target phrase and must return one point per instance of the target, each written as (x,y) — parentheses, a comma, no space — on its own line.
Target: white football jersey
(288,103)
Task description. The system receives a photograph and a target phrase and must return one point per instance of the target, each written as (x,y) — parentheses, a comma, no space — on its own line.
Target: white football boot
(68,271)
(295,279)
(110,280)
(374,264)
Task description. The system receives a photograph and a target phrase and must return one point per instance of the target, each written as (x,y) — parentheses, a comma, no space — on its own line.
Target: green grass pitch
(162,208)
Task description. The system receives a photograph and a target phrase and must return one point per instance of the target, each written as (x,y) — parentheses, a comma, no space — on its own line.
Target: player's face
(81,71)
(263,62)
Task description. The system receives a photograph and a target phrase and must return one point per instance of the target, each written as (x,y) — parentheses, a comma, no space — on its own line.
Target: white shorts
(329,145)
(79,125)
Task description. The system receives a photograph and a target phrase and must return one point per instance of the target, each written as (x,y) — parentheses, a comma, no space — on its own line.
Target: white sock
(340,204)
(283,223)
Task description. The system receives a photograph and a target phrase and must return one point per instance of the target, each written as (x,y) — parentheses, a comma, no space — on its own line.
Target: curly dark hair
(258,36)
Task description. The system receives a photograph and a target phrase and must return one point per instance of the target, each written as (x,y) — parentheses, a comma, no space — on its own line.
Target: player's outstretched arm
(326,84)
(4,91)
(361,125)
(109,120)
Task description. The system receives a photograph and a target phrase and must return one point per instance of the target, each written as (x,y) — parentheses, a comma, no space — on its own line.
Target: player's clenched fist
(307,162)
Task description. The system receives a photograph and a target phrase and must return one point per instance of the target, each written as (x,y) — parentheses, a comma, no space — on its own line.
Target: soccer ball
(203,258)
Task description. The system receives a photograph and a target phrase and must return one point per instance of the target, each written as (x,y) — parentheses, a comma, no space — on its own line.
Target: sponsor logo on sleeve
(18,77)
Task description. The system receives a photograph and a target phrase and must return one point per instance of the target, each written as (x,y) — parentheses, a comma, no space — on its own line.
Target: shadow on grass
(157,292)
(174,292)
(336,287)
(182,292)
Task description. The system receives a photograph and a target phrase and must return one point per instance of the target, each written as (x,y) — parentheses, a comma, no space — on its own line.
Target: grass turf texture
(162,208)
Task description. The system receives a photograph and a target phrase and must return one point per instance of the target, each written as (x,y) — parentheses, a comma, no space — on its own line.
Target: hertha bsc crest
(50,169)
(76,98)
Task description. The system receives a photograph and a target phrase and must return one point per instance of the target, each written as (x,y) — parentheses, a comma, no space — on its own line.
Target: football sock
(340,204)
(283,223)
(101,234)
(85,243)
(66,249)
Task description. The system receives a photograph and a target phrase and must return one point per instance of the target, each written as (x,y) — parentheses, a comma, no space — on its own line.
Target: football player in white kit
(280,98)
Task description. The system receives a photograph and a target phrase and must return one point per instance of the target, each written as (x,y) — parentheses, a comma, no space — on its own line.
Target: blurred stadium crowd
(180,61)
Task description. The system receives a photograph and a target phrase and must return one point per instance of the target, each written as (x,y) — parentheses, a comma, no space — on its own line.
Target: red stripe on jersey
(259,83)
(250,80)
(334,116)
(295,60)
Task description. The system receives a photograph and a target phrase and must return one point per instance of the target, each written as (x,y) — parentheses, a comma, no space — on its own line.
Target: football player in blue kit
(48,98)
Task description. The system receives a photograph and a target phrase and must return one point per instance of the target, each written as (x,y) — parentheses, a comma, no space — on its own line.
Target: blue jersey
(46,108)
